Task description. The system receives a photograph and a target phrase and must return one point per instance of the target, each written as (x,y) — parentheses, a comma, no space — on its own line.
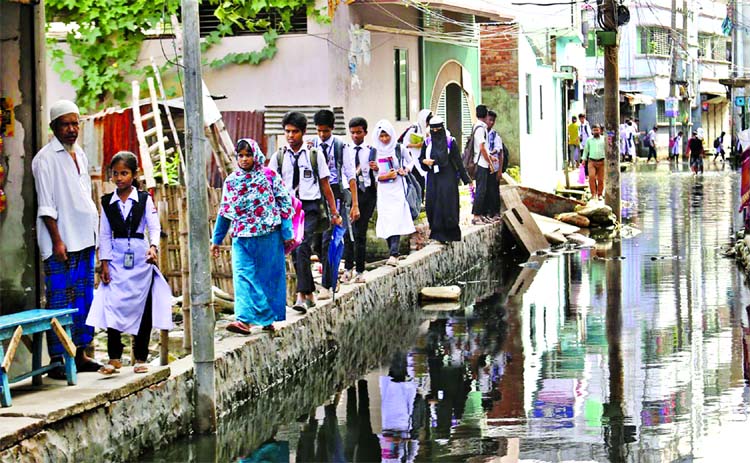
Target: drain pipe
(201,313)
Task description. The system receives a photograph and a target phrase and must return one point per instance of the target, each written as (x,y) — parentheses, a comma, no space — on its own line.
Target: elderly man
(67,222)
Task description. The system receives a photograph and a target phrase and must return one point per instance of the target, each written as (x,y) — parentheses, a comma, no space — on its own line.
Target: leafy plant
(106,38)
(105,42)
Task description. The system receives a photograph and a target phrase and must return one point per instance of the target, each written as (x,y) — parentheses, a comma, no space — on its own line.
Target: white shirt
(64,194)
(350,150)
(480,138)
(584,131)
(150,219)
(415,152)
(677,147)
(308,189)
(348,170)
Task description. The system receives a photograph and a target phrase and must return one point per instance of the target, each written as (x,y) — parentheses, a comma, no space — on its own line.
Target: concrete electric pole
(608,12)
(201,312)
(673,71)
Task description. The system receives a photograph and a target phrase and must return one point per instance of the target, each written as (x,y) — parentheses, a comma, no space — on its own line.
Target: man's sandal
(140,367)
(111,367)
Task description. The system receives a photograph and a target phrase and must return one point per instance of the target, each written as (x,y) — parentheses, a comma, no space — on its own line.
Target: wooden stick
(14,342)
(163,347)
(64,339)
(187,340)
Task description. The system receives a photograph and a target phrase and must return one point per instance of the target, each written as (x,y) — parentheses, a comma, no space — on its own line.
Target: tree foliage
(108,34)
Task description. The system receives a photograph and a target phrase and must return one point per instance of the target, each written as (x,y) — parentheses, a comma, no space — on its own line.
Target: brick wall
(499,55)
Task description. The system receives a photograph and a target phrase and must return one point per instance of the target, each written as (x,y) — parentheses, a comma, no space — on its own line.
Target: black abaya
(441,198)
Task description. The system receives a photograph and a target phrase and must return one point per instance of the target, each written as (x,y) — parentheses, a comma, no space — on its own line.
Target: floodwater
(632,351)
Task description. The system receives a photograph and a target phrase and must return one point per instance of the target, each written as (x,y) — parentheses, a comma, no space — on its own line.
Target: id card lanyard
(128,261)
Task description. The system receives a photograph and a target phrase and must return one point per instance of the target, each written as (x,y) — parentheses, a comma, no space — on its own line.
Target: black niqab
(439,144)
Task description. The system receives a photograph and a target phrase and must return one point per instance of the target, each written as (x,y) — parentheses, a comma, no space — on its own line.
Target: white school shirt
(584,131)
(150,219)
(364,161)
(480,138)
(348,170)
(415,152)
(308,189)
(677,145)
(64,194)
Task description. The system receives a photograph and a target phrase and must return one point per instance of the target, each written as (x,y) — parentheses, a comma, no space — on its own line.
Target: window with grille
(209,22)
(704,46)
(660,110)
(653,41)
(714,48)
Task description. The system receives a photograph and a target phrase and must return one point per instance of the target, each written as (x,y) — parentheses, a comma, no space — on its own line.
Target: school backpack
(469,157)
(325,213)
(672,141)
(717,142)
(298,219)
(506,156)
(412,190)
(401,137)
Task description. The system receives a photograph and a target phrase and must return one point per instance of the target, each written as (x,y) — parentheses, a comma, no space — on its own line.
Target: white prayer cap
(61,108)
(436,121)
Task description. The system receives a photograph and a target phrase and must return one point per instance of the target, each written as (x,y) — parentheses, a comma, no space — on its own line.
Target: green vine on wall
(108,34)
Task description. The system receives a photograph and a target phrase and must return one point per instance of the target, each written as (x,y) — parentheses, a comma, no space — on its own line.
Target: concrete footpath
(116,418)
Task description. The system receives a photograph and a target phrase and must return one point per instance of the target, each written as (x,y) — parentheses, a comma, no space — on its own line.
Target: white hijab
(385,150)
(422,120)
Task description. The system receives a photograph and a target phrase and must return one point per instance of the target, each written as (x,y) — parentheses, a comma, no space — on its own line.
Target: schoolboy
(365,161)
(305,174)
(487,193)
(343,184)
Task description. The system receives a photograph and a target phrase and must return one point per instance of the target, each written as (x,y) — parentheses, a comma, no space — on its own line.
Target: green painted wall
(507,123)
(436,54)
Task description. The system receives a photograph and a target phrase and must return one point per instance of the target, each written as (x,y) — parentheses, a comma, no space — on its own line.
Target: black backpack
(717,142)
(469,157)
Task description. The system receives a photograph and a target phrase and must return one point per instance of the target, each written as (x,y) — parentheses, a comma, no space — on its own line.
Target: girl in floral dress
(259,211)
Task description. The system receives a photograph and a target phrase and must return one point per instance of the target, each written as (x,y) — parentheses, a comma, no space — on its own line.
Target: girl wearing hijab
(420,129)
(441,158)
(394,217)
(259,210)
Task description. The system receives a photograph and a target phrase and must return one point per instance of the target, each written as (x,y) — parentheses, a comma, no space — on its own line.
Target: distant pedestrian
(719,147)
(584,130)
(675,146)
(394,215)
(486,206)
(365,162)
(441,158)
(305,173)
(344,186)
(258,209)
(133,296)
(593,152)
(632,140)
(695,151)
(573,142)
(650,142)
(66,228)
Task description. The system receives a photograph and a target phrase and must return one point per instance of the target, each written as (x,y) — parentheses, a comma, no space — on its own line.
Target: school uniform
(367,194)
(138,297)
(487,193)
(341,167)
(394,215)
(299,179)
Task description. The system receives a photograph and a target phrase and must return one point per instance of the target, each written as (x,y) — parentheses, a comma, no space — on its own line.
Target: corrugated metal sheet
(106,133)
(274,115)
(246,124)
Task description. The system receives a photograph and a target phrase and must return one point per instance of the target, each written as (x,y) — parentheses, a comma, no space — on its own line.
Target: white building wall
(539,157)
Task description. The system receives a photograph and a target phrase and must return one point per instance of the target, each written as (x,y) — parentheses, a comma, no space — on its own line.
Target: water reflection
(636,350)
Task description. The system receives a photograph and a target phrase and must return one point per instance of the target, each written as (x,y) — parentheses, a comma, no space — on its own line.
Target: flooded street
(631,351)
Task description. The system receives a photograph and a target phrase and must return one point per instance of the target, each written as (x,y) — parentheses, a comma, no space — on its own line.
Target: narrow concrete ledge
(132,415)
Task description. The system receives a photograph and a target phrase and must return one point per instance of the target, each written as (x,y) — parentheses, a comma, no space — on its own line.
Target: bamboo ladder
(152,143)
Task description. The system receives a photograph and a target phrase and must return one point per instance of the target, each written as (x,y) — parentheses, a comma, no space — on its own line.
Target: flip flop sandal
(239,328)
(108,370)
(140,368)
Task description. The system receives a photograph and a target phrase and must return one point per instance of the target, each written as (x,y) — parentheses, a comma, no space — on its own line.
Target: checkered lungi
(70,284)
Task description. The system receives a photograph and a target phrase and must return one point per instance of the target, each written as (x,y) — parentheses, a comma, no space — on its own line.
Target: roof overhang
(489,9)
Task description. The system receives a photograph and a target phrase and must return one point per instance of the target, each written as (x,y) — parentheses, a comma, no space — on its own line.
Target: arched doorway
(452,99)
(454,107)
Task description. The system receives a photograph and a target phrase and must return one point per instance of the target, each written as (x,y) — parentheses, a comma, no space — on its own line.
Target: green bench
(34,323)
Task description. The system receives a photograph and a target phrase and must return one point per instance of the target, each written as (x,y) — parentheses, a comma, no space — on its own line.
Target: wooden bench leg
(36,358)
(70,363)
(5,396)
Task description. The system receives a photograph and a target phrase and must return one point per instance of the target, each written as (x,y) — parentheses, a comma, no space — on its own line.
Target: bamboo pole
(163,208)
(14,342)
(185,272)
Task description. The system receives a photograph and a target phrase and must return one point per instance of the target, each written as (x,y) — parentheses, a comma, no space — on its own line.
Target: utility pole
(201,313)
(686,98)
(673,71)
(612,108)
